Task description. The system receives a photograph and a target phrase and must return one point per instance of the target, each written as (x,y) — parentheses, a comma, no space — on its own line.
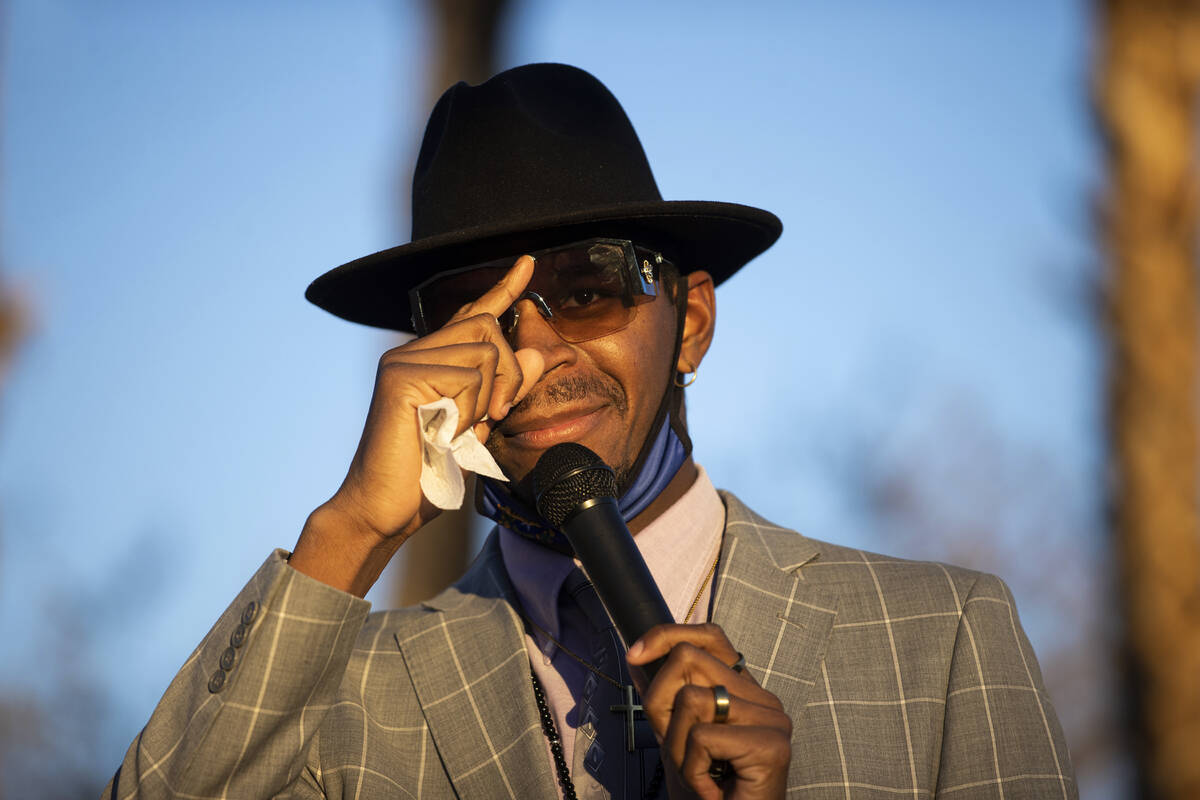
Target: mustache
(570,389)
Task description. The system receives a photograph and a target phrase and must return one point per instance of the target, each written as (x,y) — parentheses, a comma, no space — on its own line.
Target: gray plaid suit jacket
(902,678)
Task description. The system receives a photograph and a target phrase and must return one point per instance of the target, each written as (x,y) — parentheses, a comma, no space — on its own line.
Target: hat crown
(538,155)
(531,142)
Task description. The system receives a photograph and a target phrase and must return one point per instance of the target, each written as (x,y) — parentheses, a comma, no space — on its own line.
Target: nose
(529,304)
(539,304)
(531,329)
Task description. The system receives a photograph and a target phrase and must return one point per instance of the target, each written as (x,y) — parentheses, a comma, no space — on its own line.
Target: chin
(517,464)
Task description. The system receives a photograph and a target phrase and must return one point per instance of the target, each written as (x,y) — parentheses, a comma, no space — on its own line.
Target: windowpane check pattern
(902,678)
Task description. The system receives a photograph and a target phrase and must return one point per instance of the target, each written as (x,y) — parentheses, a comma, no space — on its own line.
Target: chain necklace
(695,600)
(629,708)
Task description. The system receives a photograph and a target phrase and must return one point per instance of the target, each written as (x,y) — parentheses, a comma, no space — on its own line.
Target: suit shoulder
(379,633)
(876,573)
(872,587)
(861,576)
(481,587)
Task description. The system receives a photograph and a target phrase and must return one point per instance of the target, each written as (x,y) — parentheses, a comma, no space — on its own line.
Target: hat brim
(698,235)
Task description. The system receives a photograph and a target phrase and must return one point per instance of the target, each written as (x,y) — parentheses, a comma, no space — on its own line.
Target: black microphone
(576,492)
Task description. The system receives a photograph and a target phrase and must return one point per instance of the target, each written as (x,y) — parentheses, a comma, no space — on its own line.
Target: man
(557,298)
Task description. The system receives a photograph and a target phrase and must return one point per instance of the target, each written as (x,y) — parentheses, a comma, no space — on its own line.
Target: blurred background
(975,341)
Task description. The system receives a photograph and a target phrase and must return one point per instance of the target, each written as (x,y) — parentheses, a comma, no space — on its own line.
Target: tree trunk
(465,35)
(1147,70)
(11,311)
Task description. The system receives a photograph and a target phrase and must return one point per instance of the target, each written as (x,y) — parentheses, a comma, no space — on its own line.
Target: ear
(699,321)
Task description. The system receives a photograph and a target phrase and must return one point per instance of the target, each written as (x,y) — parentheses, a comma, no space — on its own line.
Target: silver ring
(721,699)
(740,664)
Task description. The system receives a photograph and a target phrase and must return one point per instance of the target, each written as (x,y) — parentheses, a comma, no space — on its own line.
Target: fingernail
(504,411)
(637,649)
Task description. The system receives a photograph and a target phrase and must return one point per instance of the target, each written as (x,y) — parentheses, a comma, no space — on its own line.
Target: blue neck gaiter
(665,457)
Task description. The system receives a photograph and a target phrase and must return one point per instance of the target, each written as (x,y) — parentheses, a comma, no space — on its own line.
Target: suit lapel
(470,671)
(466,656)
(779,622)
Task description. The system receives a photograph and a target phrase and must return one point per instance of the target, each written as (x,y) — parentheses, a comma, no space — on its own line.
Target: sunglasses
(583,290)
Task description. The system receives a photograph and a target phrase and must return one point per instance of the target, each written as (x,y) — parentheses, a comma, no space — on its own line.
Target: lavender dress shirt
(680,547)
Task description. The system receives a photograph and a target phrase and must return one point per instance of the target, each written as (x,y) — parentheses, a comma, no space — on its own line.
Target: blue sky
(174,175)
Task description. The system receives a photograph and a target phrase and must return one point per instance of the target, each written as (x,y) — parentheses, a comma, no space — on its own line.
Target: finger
(533,364)
(688,665)
(481,356)
(696,705)
(495,301)
(414,385)
(505,385)
(659,640)
(759,756)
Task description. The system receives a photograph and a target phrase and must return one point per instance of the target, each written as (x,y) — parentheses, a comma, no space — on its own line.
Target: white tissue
(443,458)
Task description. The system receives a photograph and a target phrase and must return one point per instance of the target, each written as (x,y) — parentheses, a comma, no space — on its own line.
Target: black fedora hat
(536,156)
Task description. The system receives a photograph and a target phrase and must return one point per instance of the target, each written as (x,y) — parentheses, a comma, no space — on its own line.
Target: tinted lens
(442,297)
(585,287)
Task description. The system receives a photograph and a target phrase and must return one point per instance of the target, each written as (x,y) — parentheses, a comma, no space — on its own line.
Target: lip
(539,433)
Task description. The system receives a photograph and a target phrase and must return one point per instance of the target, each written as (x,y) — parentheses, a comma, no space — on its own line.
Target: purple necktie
(587,631)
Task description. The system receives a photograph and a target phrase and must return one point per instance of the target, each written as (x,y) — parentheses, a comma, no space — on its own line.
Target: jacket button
(217,681)
(238,637)
(227,659)
(250,613)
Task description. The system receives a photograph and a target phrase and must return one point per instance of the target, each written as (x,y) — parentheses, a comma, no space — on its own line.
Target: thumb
(533,364)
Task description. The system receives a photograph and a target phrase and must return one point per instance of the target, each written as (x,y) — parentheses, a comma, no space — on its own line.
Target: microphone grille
(565,476)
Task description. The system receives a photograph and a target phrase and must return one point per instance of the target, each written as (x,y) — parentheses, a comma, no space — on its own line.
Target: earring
(692,373)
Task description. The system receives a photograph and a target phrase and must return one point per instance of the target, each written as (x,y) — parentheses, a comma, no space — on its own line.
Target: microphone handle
(605,547)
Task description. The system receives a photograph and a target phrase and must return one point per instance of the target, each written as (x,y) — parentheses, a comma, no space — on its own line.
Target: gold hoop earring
(693,372)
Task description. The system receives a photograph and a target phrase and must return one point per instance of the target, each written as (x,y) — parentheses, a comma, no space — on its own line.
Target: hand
(755,740)
(380,503)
